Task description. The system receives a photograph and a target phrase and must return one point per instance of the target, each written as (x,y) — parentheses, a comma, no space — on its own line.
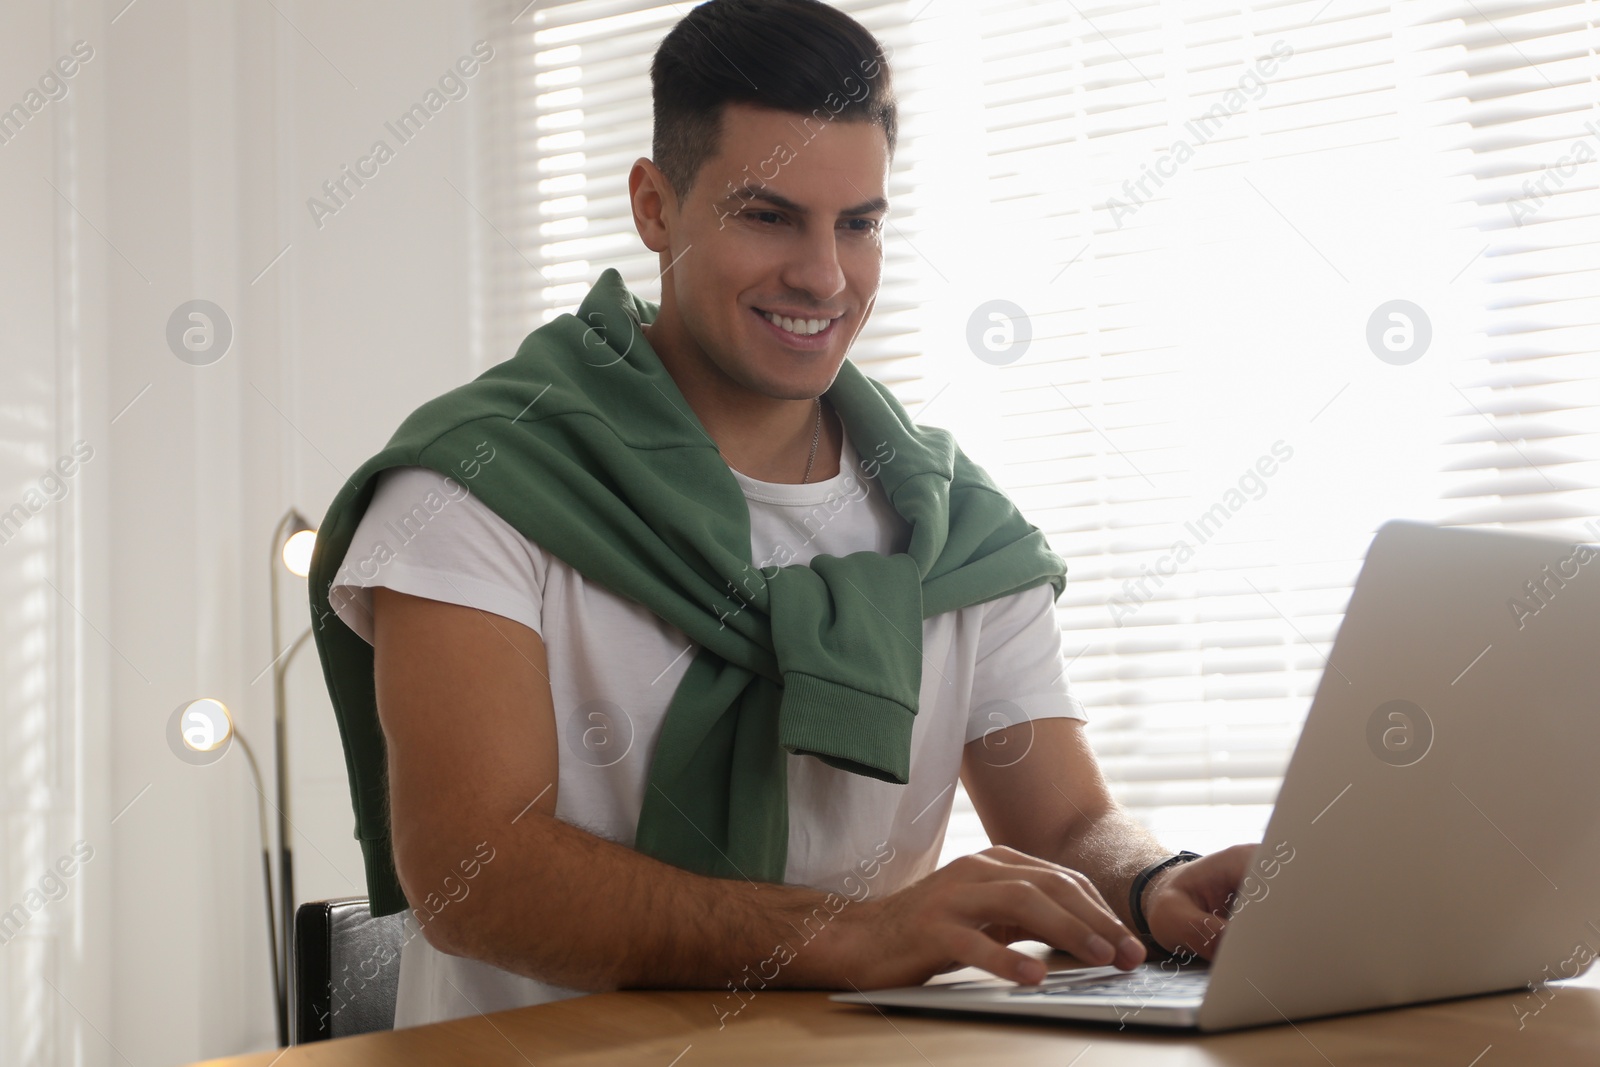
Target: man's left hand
(1187,906)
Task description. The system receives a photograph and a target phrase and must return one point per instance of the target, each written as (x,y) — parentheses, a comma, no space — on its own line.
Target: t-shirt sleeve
(425,534)
(1021,671)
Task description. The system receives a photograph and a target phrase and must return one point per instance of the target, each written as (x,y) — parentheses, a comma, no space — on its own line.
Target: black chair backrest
(346,969)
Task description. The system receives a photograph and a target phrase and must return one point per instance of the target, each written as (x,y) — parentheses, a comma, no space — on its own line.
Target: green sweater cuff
(846,728)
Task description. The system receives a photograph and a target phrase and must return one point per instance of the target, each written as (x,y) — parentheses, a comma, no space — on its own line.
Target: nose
(814,267)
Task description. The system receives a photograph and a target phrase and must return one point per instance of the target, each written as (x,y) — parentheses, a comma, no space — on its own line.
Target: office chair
(345,971)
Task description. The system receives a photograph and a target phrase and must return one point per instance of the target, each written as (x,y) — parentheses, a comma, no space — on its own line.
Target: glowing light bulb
(205,725)
(297,552)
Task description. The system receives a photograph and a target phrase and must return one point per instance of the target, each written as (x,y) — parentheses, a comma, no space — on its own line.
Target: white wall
(53,592)
(199,131)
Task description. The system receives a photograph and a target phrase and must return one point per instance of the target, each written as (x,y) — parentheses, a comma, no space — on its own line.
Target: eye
(759,214)
(872,226)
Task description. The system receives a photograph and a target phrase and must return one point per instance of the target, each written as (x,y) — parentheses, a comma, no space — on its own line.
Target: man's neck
(759,449)
(765,438)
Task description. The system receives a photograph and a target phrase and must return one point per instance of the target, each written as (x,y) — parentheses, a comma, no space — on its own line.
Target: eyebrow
(762,193)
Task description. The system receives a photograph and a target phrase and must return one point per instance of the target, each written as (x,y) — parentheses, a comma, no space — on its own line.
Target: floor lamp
(206,727)
(292,543)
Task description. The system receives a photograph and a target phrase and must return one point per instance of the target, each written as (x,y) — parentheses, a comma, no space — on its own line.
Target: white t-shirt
(614,666)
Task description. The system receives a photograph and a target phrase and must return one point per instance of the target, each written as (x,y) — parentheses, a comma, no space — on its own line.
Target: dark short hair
(800,56)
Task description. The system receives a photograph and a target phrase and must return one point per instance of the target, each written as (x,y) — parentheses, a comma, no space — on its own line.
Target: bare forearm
(567,907)
(1112,849)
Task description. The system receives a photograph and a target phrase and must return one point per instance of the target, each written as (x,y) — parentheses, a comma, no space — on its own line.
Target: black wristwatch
(1136,892)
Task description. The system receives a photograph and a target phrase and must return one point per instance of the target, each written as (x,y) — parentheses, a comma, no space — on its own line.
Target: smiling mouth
(801,327)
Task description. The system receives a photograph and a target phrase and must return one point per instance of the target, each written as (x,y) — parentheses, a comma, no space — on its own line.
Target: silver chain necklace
(816,435)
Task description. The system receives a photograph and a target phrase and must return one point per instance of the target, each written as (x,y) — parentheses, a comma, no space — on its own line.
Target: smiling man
(687,631)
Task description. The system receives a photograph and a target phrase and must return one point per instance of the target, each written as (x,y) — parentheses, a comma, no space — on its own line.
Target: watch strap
(1136,891)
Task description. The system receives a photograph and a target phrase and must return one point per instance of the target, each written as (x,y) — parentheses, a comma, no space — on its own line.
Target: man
(616,751)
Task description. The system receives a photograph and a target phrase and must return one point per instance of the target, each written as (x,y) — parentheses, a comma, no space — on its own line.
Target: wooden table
(680,1029)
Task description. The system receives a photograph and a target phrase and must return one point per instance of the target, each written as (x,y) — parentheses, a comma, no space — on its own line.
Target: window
(1243,281)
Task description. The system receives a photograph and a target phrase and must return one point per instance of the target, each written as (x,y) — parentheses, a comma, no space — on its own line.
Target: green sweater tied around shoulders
(585,445)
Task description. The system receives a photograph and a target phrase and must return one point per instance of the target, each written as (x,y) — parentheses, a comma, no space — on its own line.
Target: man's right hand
(968,911)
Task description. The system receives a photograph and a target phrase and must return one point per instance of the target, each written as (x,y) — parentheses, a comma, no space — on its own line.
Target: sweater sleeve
(427,535)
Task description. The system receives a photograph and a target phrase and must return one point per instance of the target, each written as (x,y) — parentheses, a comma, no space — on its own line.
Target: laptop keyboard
(1144,983)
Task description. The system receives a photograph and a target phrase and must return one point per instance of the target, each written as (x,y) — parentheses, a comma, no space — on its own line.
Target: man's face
(775,223)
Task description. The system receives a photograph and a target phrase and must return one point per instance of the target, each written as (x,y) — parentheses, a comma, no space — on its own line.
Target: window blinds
(1199,217)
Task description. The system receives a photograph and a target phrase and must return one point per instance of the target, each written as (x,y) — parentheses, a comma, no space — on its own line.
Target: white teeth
(803,327)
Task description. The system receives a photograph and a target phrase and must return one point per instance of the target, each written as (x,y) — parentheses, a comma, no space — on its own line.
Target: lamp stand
(279,991)
(280,667)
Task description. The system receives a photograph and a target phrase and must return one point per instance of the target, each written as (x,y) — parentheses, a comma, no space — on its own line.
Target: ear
(655,205)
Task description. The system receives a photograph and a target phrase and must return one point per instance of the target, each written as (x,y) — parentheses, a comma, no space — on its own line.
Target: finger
(1013,864)
(1074,925)
(1073,891)
(1005,933)
(1219,884)
(977,949)
(1191,928)
(1011,857)
(1214,877)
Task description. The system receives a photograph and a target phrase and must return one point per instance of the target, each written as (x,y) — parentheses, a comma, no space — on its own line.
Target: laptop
(1437,832)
